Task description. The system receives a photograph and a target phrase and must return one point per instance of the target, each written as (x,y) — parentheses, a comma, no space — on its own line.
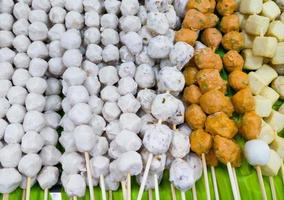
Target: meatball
(189,74)
(200,141)
(230,23)
(226,7)
(186,35)
(227,150)
(232,60)
(211,158)
(211,37)
(191,94)
(194,20)
(195,117)
(233,41)
(243,101)
(220,124)
(206,59)
(250,125)
(211,20)
(203,6)
(238,80)
(209,79)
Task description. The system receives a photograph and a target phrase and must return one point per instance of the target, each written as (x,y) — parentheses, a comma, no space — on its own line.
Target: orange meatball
(233,41)
(211,158)
(194,116)
(186,35)
(191,94)
(230,23)
(228,107)
(232,60)
(227,151)
(250,125)
(194,20)
(220,124)
(203,6)
(238,80)
(190,75)
(243,101)
(226,7)
(209,79)
(211,37)
(212,5)
(206,59)
(212,20)
(200,141)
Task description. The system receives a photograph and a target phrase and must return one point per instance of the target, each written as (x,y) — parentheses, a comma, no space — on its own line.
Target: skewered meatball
(191,94)
(48,177)
(203,6)
(243,101)
(250,125)
(196,164)
(206,59)
(180,145)
(30,165)
(226,7)
(10,155)
(201,141)
(238,80)
(195,117)
(257,152)
(186,35)
(130,162)
(75,185)
(233,61)
(190,75)
(233,41)
(211,20)
(10,179)
(230,23)
(194,20)
(211,37)
(211,158)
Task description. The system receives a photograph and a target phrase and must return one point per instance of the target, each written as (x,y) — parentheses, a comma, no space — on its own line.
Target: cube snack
(275,120)
(273,165)
(282,17)
(251,6)
(266,73)
(263,106)
(276,29)
(278,146)
(257,25)
(264,46)
(281,109)
(269,93)
(248,40)
(267,134)
(255,83)
(279,55)
(252,62)
(271,10)
(242,19)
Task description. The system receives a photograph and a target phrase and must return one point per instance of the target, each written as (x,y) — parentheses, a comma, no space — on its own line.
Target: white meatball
(84,138)
(93,85)
(4,107)
(72,162)
(180,54)
(109,93)
(92,35)
(178,117)
(13,133)
(180,145)
(56,31)
(112,129)
(96,104)
(80,113)
(22,60)
(74,19)
(37,85)
(125,54)
(37,49)
(10,179)
(57,15)
(33,121)
(130,162)
(109,36)
(10,155)
(110,183)
(128,103)
(127,141)
(133,42)
(146,35)
(110,54)
(150,182)
(3,125)
(7,55)
(30,165)
(49,136)
(145,76)
(108,75)
(21,10)
(147,122)
(126,69)
(94,53)
(55,50)
(129,23)
(77,94)
(100,166)
(130,122)
(158,162)
(90,68)
(32,142)
(16,113)
(109,20)
(127,85)
(67,141)
(159,47)
(6,6)
(71,39)
(56,66)
(76,5)
(110,111)
(6,70)
(5,87)
(180,7)
(98,124)
(100,148)
(75,185)
(96,5)
(6,38)
(20,27)
(50,155)
(129,7)
(48,177)
(17,95)
(196,165)
(157,23)
(112,6)
(41,4)
(144,58)
(157,5)
(20,77)
(38,31)
(146,97)
(92,18)
(72,58)
(38,67)
(35,102)
(74,76)
(256,152)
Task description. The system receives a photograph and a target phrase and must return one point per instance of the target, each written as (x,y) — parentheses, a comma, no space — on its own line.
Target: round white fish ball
(257,152)
(109,93)
(17,95)
(22,60)
(147,121)
(159,47)
(13,133)
(56,66)
(158,162)
(93,85)
(130,23)
(48,177)
(196,165)
(6,70)
(133,41)
(178,117)
(180,54)
(56,31)
(144,58)
(110,111)
(37,49)
(92,35)
(74,19)
(20,27)
(98,124)
(57,15)
(109,36)
(49,136)
(157,5)
(7,55)
(94,53)
(145,76)
(37,85)
(90,68)
(110,54)
(96,5)
(4,107)
(108,75)
(30,165)
(100,148)
(80,113)
(5,87)
(112,6)
(92,18)
(55,50)
(96,104)
(10,155)
(34,121)
(75,185)
(100,166)
(74,76)
(72,162)
(76,5)
(129,7)
(127,85)
(38,31)
(84,137)
(130,162)
(21,10)
(53,103)
(20,77)
(110,183)
(41,4)
(72,58)
(21,43)
(67,141)
(126,69)
(16,113)
(146,97)
(32,142)
(127,141)
(50,155)
(157,23)
(109,20)
(130,121)
(128,103)
(52,119)
(53,86)
(180,145)
(59,3)
(112,129)
(3,125)
(77,94)
(10,178)
(71,39)
(35,102)
(6,7)
(125,55)
(6,38)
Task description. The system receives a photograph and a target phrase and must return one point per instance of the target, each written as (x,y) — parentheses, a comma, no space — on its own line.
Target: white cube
(278,146)
(252,62)
(250,6)
(267,134)
(273,165)
(276,29)
(257,25)
(267,74)
(269,93)
(275,120)
(255,83)
(279,55)
(263,106)
(248,40)
(271,10)
(264,46)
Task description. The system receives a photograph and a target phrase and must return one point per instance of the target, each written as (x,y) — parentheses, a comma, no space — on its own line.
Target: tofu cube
(252,62)
(263,106)
(276,29)
(257,25)
(271,10)
(278,86)
(275,120)
(264,46)
(242,19)
(267,134)
(282,17)
(248,40)
(281,109)
(273,165)
(270,94)
(278,146)
(267,74)
(279,55)
(255,83)
(250,6)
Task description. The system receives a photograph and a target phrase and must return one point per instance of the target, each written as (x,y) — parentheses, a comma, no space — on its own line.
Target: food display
(109,99)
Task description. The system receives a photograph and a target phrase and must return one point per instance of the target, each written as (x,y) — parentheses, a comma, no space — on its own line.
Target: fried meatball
(211,20)
(228,107)
(250,125)
(211,158)
(206,59)
(227,150)
(238,80)
(190,75)
(230,23)
(195,117)
(220,124)
(200,141)
(194,20)
(203,6)
(226,7)
(233,41)
(232,60)
(191,94)
(211,37)
(243,101)
(186,35)
(209,79)
(212,5)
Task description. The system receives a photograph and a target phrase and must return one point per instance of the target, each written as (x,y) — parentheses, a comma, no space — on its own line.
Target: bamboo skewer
(173,191)
(261,183)
(74,198)
(194,194)
(272,187)
(205,174)
(102,181)
(6,196)
(45,196)
(215,185)
(232,180)
(128,186)
(123,187)
(236,181)
(282,172)
(110,195)
(150,195)
(28,188)
(24,194)
(157,193)
(183,197)
(89,175)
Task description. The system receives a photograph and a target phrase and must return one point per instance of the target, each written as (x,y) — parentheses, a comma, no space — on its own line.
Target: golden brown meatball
(194,20)
(220,124)
(228,107)
(211,20)
(232,60)
(238,80)
(211,37)
(191,94)
(233,41)
(211,158)
(250,125)
(227,151)
(212,5)
(200,141)
(186,35)
(201,5)
(226,7)
(230,23)
(194,116)
(209,79)
(243,101)
(189,74)
(206,59)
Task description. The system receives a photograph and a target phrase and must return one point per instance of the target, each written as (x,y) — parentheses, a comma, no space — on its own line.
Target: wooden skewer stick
(232,180)
(183,195)
(261,183)
(157,193)
(123,187)
(103,188)
(74,198)
(215,185)
(45,196)
(150,195)
(194,193)
(282,172)
(6,196)
(173,191)
(24,194)
(89,176)
(272,187)
(236,181)
(28,188)
(128,186)
(205,174)
(110,195)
